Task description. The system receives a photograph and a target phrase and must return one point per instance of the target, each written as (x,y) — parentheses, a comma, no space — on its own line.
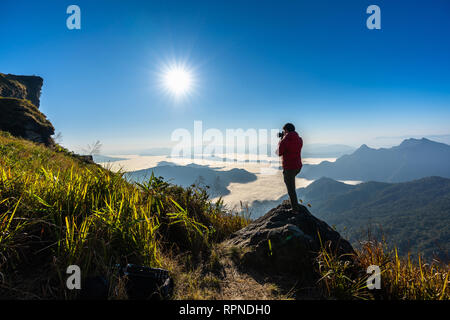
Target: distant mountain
(412,159)
(217,180)
(319,150)
(415,216)
(314,150)
(98,158)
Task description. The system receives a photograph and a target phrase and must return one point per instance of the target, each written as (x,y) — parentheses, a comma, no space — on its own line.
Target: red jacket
(290,148)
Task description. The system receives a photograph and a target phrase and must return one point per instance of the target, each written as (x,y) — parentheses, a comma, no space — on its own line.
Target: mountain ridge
(414,215)
(412,159)
(405,212)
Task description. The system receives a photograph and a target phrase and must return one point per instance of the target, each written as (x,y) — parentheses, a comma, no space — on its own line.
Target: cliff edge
(21,87)
(19,107)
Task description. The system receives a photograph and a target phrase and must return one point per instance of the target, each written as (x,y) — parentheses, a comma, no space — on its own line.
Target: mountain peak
(363,147)
(325,180)
(412,159)
(414,142)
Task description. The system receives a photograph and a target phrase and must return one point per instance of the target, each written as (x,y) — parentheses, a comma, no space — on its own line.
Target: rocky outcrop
(19,109)
(23,119)
(284,241)
(21,87)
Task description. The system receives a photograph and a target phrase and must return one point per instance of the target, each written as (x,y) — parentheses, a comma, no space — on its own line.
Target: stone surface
(19,109)
(285,241)
(21,87)
(23,119)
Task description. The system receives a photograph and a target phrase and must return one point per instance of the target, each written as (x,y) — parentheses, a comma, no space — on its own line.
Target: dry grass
(401,278)
(406,278)
(218,278)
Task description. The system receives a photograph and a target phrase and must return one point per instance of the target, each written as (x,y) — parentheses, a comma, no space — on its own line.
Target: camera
(280,134)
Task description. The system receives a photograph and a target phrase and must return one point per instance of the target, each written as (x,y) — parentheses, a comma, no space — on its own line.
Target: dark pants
(289,180)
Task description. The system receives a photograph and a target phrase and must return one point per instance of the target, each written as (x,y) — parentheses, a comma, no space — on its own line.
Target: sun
(178,80)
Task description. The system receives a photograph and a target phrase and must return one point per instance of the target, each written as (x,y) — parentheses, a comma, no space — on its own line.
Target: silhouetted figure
(289,149)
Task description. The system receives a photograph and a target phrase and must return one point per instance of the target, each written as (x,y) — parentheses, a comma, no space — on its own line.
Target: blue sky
(257,64)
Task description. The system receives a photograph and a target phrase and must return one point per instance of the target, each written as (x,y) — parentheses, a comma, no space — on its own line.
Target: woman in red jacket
(289,149)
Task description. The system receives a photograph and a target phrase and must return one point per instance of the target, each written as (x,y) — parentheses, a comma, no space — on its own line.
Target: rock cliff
(19,108)
(21,87)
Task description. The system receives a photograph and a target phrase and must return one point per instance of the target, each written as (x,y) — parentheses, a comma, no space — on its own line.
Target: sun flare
(178,80)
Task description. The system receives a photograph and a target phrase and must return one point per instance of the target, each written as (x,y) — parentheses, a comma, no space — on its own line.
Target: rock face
(284,241)
(23,119)
(21,87)
(19,102)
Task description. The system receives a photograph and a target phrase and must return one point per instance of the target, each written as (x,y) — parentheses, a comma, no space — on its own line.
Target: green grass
(56,211)
(401,278)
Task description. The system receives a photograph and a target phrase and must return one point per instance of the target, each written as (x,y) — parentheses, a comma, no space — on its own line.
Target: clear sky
(256,64)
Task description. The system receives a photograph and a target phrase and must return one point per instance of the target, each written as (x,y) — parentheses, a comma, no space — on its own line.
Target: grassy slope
(56,211)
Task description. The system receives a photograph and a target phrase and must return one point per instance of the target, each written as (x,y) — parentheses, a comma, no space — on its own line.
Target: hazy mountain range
(406,198)
(414,215)
(313,150)
(217,180)
(98,158)
(412,159)
(321,150)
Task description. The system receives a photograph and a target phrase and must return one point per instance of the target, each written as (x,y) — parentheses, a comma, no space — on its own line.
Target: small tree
(93,149)
(58,138)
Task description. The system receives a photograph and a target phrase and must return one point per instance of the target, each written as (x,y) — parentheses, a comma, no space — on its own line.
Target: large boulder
(284,241)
